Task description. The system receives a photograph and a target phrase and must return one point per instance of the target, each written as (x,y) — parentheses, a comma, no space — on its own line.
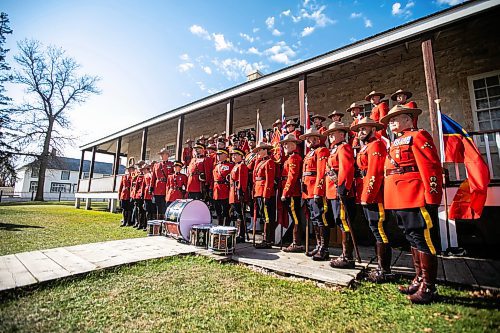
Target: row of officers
(404,179)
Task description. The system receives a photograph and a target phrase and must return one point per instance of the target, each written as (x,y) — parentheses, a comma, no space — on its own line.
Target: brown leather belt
(284,177)
(221,182)
(360,173)
(260,178)
(401,170)
(309,173)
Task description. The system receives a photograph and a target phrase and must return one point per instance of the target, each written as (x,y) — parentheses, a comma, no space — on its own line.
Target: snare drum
(200,235)
(164,231)
(182,214)
(222,240)
(154,228)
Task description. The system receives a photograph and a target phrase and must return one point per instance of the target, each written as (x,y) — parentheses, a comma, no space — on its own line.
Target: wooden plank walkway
(29,268)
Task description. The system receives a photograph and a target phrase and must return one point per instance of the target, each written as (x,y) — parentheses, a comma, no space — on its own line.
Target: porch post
(432,87)
(91,174)
(229,117)
(116,165)
(80,172)
(179,139)
(302,101)
(144,143)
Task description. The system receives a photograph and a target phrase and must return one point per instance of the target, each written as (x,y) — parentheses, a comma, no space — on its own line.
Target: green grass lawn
(195,294)
(36,226)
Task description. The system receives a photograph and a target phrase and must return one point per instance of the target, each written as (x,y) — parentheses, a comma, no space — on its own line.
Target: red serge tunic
(238,183)
(221,180)
(370,161)
(199,166)
(313,173)
(148,177)
(340,170)
(160,173)
(413,172)
(290,176)
(263,176)
(176,187)
(125,185)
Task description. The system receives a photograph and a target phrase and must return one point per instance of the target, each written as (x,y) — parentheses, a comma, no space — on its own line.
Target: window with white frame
(34,171)
(485,99)
(65,175)
(147,156)
(33,186)
(171,149)
(60,187)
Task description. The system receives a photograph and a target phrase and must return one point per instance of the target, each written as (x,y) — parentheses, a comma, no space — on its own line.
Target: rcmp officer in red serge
(124,193)
(199,173)
(413,171)
(238,186)
(340,189)
(401,97)
(159,176)
(263,178)
(176,184)
(138,196)
(187,152)
(370,192)
(380,108)
(149,206)
(290,185)
(355,111)
(221,174)
(313,191)
(318,120)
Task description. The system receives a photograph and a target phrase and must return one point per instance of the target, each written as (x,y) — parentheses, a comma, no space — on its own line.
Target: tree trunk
(43,162)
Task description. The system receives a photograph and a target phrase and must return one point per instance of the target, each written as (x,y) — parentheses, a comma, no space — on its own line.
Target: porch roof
(397,35)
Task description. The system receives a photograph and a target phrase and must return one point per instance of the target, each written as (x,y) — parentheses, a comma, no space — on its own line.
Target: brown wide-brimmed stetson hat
(354,106)
(261,145)
(189,140)
(203,137)
(311,132)
(211,146)
(236,151)
(163,151)
(178,163)
(290,138)
(199,145)
(397,110)
(401,91)
(222,151)
(336,126)
(318,116)
(374,93)
(140,163)
(276,123)
(291,123)
(335,113)
(366,121)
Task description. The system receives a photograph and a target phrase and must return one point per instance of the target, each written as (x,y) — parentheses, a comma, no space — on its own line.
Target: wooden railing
(488,143)
(102,184)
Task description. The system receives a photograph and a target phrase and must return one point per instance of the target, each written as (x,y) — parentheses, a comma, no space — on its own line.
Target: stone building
(453,55)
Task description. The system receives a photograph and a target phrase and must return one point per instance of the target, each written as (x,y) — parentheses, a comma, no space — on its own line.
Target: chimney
(253,75)
(53,152)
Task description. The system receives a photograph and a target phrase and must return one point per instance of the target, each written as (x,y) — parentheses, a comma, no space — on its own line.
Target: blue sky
(155,55)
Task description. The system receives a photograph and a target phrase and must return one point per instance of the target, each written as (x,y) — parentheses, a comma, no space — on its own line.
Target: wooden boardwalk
(30,268)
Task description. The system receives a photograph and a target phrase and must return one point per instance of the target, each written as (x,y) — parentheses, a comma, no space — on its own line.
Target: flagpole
(442,153)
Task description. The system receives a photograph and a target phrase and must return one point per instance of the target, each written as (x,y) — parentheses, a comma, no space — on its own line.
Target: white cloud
(254,30)
(220,43)
(286,13)
(276,32)
(449,2)
(356,15)
(353,40)
(399,10)
(207,70)
(185,94)
(235,69)
(281,53)
(184,57)
(254,50)
(270,22)
(247,37)
(317,16)
(185,67)
(307,31)
(199,31)
(306,2)
(368,23)
(201,85)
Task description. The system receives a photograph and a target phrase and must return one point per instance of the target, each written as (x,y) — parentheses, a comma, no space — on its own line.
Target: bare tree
(53,87)
(7,170)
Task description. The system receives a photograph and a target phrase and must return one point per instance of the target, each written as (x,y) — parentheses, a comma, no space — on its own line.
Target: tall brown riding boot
(346,259)
(124,222)
(383,272)
(415,284)
(241,231)
(318,242)
(427,291)
(322,254)
(295,246)
(265,244)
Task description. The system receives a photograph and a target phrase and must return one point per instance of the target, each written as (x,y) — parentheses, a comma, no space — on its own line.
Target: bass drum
(182,214)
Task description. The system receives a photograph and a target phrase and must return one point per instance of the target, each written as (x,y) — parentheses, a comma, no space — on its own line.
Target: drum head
(188,212)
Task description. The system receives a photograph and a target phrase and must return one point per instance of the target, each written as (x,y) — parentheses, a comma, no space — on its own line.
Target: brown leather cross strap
(401,170)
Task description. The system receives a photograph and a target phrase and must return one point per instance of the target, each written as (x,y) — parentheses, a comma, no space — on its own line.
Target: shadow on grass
(17,227)
(470,302)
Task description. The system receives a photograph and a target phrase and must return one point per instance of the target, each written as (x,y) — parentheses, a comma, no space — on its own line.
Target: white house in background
(61,176)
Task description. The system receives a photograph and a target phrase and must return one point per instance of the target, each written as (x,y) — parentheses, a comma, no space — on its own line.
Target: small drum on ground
(200,235)
(164,231)
(154,228)
(222,240)
(182,214)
